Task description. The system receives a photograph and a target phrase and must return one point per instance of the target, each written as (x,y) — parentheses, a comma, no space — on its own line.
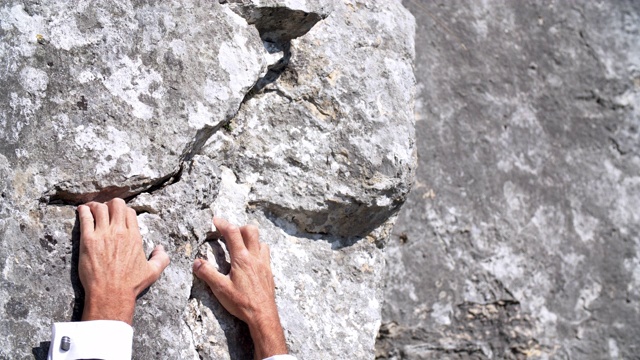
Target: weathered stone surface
(520,238)
(141,80)
(348,127)
(293,115)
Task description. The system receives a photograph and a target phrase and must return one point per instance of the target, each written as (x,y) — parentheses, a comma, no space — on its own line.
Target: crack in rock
(277,26)
(64,193)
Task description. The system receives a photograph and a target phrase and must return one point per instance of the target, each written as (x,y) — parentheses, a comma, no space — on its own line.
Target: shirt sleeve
(281,357)
(99,339)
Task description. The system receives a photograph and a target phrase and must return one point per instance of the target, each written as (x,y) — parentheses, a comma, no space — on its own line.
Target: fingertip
(83,209)
(94,205)
(206,272)
(219,222)
(160,258)
(197,263)
(116,200)
(251,230)
(86,220)
(202,271)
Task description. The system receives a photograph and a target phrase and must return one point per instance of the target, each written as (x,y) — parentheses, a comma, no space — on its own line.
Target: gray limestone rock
(293,115)
(520,238)
(348,127)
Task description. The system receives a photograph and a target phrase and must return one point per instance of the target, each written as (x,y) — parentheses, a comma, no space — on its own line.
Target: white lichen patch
(33,80)
(64,32)
(130,80)
(584,225)
(587,296)
(20,104)
(614,351)
(442,313)
(632,265)
(200,116)
(28,26)
(214,92)
(139,165)
(86,76)
(232,198)
(243,64)
(504,264)
(178,47)
(109,150)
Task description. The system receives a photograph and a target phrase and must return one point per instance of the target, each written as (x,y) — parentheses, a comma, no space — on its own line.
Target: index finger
(100,213)
(231,234)
(87,225)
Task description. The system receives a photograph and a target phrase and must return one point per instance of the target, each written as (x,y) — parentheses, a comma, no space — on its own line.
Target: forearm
(268,338)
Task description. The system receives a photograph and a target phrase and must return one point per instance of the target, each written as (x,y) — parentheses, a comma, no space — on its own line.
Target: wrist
(108,308)
(268,337)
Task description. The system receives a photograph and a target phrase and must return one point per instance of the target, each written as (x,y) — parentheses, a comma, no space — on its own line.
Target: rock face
(296,116)
(520,238)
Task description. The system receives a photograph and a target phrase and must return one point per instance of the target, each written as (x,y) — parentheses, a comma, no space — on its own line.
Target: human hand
(112,265)
(248,292)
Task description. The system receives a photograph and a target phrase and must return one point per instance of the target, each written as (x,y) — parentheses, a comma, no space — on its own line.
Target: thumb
(209,274)
(158,261)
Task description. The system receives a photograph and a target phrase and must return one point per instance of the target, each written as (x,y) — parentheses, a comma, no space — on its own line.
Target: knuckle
(86,216)
(99,206)
(251,229)
(243,256)
(116,202)
(233,229)
(251,232)
(88,238)
(119,230)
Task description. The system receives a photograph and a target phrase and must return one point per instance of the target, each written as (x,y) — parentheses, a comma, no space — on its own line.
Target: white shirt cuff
(281,357)
(99,339)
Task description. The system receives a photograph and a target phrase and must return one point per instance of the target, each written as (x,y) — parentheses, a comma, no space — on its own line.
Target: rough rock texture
(520,238)
(296,116)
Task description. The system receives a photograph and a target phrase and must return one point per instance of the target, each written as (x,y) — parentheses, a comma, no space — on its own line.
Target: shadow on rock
(41,352)
(218,320)
(78,290)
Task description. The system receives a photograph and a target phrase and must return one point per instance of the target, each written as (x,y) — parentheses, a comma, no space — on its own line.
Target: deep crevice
(273,73)
(202,136)
(277,26)
(304,224)
(61,195)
